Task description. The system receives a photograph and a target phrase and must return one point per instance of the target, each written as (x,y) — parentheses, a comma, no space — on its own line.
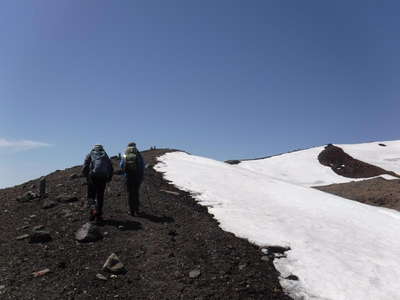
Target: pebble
(265,258)
(2,287)
(264,250)
(194,273)
(38,227)
(22,237)
(101,277)
(40,273)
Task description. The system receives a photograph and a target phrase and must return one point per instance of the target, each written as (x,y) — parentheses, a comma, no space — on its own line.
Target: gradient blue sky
(222,79)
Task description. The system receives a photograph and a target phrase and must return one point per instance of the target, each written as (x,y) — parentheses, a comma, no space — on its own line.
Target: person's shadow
(123,225)
(156,219)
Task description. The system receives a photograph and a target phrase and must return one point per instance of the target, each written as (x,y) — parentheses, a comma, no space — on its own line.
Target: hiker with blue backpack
(98,170)
(132,165)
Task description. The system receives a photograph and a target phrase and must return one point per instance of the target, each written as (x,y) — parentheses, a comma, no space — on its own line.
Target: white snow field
(339,249)
(303,168)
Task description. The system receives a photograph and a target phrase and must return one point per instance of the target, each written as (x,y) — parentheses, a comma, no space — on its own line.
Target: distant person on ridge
(132,165)
(98,170)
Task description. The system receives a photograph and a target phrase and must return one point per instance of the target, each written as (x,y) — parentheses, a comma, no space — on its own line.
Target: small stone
(73,176)
(22,237)
(47,203)
(113,276)
(121,227)
(64,198)
(40,273)
(170,192)
(114,265)
(66,213)
(59,185)
(32,216)
(264,251)
(194,273)
(88,233)
(264,258)
(40,237)
(292,277)
(38,227)
(23,227)
(2,287)
(242,266)
(101,277)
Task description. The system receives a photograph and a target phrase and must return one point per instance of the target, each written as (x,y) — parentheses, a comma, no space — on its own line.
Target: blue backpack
(100,165)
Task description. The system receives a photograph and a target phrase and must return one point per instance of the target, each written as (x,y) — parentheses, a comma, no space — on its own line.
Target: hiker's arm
(86,164)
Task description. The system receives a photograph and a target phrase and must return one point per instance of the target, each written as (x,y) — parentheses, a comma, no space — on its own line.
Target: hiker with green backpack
(98,170)
(132,165)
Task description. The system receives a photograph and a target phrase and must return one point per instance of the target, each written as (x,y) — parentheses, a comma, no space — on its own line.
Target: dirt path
(159,250)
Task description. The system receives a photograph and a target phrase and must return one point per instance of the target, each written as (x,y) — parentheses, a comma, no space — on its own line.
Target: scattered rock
(2,287)
(64,198)
(32,216)
(22,237)
(88,233)
(66,213)
(33,186)
(292,277)
(242,266)
(101,277)
(23,227)
(233,162)
(114,265)
(194,273)
(73,176)
(28,196)
(264,258)
(40,273)
(170,192)
(38,227)
(59,185)
(40,237)
(265,251)
(47,203)
(121,227)
(383,145)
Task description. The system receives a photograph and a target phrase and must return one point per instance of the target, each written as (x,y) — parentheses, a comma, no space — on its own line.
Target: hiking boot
(99,220)
(92,216)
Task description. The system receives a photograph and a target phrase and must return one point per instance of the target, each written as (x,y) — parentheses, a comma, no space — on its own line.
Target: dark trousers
(133,187)
(96,188)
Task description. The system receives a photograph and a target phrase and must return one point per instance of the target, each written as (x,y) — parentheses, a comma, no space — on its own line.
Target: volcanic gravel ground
(376,191)
(345,165)
(159,249)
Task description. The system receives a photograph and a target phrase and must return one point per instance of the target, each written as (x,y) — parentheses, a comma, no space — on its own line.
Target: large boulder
(88,233)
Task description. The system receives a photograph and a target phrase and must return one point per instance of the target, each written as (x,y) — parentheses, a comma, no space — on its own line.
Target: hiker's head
(98,147)
(132,144)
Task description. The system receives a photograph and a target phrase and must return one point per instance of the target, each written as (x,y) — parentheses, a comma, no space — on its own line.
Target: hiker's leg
(100,188)
(91,192)
(136,189)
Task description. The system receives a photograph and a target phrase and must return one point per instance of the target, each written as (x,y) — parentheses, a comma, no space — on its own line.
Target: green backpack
(131,160)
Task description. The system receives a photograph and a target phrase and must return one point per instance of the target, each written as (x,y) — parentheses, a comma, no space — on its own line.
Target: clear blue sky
(222,79)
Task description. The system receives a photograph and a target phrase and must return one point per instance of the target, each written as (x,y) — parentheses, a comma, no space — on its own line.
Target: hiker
(98,170)
(132,165)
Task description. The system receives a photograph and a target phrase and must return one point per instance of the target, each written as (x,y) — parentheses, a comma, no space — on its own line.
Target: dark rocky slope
(175,251)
